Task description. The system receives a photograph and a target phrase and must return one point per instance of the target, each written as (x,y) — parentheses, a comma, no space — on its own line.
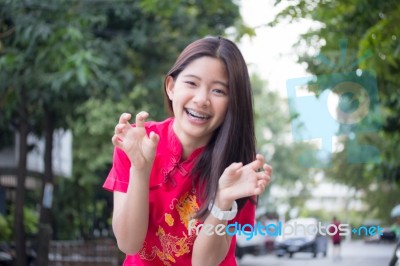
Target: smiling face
(199,96)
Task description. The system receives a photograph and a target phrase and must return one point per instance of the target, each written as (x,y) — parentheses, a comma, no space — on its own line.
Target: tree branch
(7,33)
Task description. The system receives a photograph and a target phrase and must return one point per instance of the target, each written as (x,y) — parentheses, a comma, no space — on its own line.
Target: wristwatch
(223,215)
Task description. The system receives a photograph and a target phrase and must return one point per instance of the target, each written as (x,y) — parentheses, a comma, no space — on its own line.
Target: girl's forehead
(206,65)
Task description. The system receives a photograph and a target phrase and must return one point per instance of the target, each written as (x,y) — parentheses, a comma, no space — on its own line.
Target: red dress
(173,201)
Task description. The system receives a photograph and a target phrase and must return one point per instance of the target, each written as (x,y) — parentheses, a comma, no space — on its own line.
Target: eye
(190,83)
(220,92)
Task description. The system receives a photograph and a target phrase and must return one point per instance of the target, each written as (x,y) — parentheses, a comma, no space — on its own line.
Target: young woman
(178,183)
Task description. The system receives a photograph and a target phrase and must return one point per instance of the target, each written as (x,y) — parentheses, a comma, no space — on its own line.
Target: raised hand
(238,180)
(139,147)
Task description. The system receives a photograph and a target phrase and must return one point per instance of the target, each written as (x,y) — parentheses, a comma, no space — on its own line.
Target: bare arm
(131,209)
(210,250)
(236,182)
(131,213)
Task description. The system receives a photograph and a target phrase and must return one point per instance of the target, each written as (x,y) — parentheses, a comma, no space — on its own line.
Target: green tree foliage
(372,43)
(5,229)
(31,224)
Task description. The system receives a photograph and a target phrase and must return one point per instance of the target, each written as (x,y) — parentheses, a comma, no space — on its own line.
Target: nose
(201,97)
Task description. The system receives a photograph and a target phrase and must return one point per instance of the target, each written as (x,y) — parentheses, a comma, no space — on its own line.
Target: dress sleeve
(246,214)
(118,177)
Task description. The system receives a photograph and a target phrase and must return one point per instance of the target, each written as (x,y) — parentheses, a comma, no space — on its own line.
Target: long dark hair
(234,140)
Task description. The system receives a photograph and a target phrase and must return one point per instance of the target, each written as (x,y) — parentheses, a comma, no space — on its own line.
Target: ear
(169,87)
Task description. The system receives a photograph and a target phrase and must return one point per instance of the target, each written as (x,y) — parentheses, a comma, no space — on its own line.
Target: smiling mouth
(197,115)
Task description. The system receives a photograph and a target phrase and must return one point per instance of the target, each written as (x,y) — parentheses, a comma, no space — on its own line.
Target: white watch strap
(223,215)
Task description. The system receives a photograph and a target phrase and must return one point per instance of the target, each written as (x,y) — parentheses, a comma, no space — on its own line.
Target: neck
(188,147)
(189,144)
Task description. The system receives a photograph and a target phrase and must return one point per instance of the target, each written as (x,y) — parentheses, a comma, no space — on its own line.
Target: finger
(257,163)
(119,128)
(262,184)
(260,157)
(154,138)
(259,189)
(260,176)
(124,118)
(140,118)
(267,169)
(116,141)
(233,168)
(266,180)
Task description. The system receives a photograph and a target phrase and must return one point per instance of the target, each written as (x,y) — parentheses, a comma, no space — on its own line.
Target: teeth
(197,115)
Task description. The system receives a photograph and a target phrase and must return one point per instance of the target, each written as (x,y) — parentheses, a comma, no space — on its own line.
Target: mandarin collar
(175,146)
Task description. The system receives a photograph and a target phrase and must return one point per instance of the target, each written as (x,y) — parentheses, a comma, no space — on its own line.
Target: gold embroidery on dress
(169,219)
(187,206)
(171,206)
(173,246)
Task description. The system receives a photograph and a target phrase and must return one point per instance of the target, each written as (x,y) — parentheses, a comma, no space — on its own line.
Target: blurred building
(335,198)
(62,163)
(321,195)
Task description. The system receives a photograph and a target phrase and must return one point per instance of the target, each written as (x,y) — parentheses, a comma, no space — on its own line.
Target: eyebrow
(215,81)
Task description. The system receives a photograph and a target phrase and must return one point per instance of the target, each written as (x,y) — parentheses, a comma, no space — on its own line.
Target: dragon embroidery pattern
(173,246)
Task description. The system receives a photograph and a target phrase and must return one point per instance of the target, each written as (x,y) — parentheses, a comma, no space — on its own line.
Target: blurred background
(326,78)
